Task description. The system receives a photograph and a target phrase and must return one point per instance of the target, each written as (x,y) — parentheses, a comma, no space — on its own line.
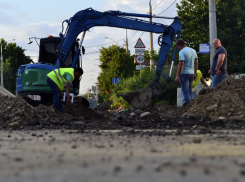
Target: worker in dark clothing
(219,64)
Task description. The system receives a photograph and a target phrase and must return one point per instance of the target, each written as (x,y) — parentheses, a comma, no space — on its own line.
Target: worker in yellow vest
(59,80)
(194,84)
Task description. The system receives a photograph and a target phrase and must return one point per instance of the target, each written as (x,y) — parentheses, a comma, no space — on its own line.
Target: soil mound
(225,101)
(81,111)
(105,106)
(18,111)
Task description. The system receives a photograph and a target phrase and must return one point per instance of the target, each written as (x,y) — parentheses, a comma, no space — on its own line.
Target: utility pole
(126,40)
(16,93)
(212,26)
(2,65)
(151,36)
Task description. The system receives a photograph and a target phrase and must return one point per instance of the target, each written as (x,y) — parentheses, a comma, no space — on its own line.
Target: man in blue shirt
(219,64)
(187,69)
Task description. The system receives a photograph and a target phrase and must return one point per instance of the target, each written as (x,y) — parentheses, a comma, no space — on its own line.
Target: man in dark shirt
(219,64)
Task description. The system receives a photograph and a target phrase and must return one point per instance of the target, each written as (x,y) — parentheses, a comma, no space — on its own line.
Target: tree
(114,63)
(194,16)
(13,58)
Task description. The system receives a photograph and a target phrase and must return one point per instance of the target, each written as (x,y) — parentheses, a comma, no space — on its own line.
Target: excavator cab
(31,78)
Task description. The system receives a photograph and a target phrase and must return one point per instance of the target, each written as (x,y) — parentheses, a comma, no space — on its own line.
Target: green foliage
(151,54)
(194,16)
(114,63)
(13,58)
(103,97)
(140,81)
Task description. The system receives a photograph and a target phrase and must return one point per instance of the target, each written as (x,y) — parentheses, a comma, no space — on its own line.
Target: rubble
(225,101)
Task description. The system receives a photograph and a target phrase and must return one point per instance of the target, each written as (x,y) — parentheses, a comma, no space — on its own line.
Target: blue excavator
(68,52)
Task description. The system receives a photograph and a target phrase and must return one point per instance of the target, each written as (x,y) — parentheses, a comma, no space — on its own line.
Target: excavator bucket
(144,98)
(141,98)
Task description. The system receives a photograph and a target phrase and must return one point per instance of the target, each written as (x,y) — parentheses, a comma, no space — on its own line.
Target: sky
(23,19)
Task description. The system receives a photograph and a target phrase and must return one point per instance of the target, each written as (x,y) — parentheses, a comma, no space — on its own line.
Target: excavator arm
(88,18)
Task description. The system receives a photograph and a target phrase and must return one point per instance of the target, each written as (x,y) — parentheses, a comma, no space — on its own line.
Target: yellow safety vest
(198,78)
(57,76)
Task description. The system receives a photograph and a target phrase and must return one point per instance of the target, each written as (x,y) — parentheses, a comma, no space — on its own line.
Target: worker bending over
(60,80)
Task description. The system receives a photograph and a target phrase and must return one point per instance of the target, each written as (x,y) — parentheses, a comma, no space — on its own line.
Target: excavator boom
(88,18)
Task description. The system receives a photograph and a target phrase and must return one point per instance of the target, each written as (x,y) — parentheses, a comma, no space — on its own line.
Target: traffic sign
(115,80)
(140,59)
(139,51)
(203,48)
(140,67)
(139,44)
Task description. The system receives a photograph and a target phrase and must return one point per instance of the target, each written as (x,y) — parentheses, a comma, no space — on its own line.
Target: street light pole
(2,62)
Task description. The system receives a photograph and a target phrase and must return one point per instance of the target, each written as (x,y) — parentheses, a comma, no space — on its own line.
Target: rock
(197,140)
(232,109)
(239,113)
(117,169)
(145,114)
(241,116)
(14,125)
(139,168)
(211,108)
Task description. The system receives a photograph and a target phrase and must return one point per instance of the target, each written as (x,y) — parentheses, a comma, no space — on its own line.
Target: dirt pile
(81,111)
(16,112)
(225,101)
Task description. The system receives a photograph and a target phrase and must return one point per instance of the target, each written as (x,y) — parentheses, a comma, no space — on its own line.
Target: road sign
(139,44)
(203,48)
(140,59)
(115,80)
(140,67)
(139,51)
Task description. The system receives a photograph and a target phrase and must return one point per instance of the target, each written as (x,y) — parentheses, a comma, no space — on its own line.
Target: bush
(140,81)
(103,97)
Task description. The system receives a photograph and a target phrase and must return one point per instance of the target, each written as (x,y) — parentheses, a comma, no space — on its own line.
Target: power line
(134,34)
(137,39)
(157,5)
(167,8)
(105,43)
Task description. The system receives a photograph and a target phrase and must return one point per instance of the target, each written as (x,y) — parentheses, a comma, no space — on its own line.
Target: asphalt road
(119,156)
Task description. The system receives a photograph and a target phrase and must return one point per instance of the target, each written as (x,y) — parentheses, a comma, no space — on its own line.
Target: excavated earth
(219,108)
(202,141)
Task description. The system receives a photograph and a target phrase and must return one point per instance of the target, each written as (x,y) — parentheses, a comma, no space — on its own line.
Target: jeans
(56,94)
(193,96)
(218,79)
(186,86)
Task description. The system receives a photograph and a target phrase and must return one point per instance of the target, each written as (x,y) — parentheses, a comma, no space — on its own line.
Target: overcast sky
(22,19)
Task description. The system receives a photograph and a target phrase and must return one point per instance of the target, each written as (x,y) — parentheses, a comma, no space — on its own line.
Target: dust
(225,101)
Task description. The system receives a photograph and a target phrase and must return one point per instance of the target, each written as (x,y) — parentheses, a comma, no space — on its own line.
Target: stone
(197,140)
(211,108)
(145,114)
(14,125)
(232,109)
